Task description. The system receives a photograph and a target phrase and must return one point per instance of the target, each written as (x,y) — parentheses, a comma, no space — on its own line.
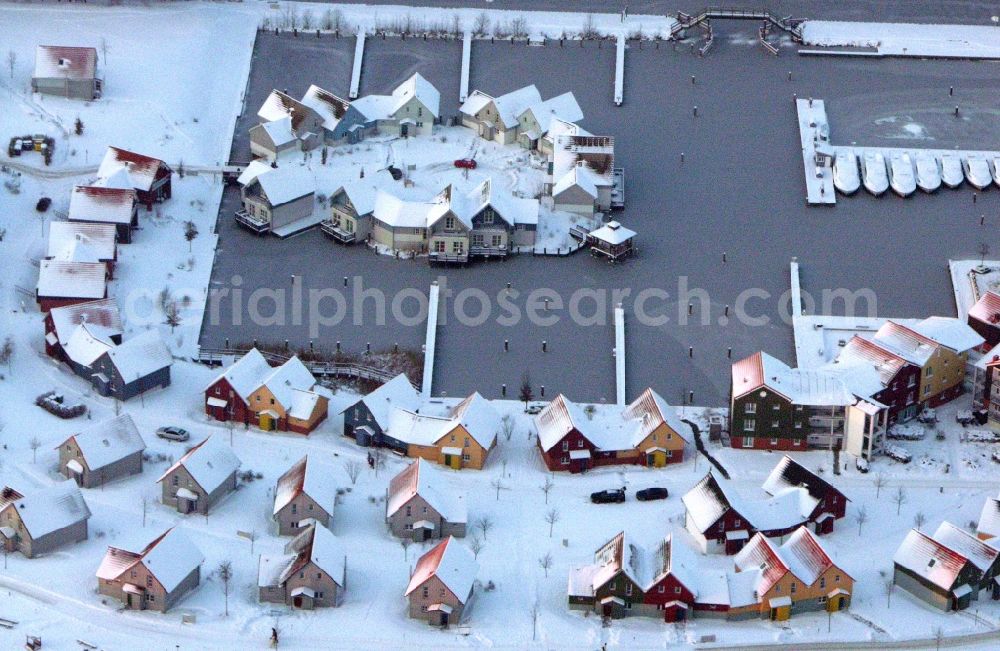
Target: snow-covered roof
(814,387)
(279,131)
(72,279)
(596,153)
(375,107)
(316,545)
(109,441)
(905,342)
(209,463)
(285,380)
(606,426)
(788,473)
(979,553)
(579,176)
(479,419)
(327,105)
(281,184)
(420,478)
(760,557)
(101,316)
(95,203)
(360,194)
(613,233)
(559,127)
(65,62)
(803,554)
(949,332)
(48,509)
(452,563)
(246,374)
(987,309)
(303,478)
(652,410)
(86,344)
(862,351)
(171,557)
(423,90)
(140,356)
(929,559)
(303,403)
(706,502)
(561,107)
(122,168)
(397,393)
(509,106)
(989,519)
(397,213)
(786,509)
(279,105)
(81,242)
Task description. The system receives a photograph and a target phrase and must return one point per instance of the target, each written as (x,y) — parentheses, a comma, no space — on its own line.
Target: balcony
(331,230)
(447,258)
(488,251)
(252,223)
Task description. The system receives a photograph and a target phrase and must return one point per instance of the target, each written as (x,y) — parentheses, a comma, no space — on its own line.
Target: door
(453,461)
(656,459)
(297,602)
(444,619)
(267,422)
(780,614)
(404,129)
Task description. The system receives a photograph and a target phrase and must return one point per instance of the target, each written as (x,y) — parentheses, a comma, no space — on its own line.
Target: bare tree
(938,638)
(534,619)
(190,232)
(476,545)
(173,316)
(145,508)
(484,524)
(519,27)
(984,250)
(880,482)
(307,19)
(7,352)
(481,24)
(507,426)
(11,61)
(547,487)
(918,520)
(226,576)
(589,31)
(861,517)
(526,394)
(498,484)
(405,543)
(899,498)
(353,469)
(456,24)
(887,585)
(34,444)
(104,52)
(552,517)
(545,562)
(252,537)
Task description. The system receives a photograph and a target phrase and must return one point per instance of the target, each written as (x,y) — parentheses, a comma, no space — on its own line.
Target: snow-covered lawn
(905,39)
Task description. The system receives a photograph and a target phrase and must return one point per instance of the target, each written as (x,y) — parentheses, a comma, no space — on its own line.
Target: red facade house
(227,398)
(83,242)
(149,177)
(104,205)
(61,284)
(61,323)
(828,503)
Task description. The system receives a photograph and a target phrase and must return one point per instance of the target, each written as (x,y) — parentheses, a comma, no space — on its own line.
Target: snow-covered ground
(904,39)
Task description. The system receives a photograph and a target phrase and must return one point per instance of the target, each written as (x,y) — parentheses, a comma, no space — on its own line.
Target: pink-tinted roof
(91,203)
(885,362)
(748,374)
(141,169)
(804,556)
(64,62)
(929,559)
(987,309)
(760,555)
(453,564)
(102,313)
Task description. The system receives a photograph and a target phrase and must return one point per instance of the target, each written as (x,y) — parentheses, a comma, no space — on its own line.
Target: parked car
(861,464)
(965,417)
(927,415)
(654,493)
(466,163)
(533,409)
(172,433)
(608,497)
(898,453)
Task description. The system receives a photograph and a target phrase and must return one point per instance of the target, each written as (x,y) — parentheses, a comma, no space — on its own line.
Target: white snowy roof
(762,561)
(375,107)
(316,545)
(477,415)
(561,107)
(329,107)
(559,127)
(140,356)
(596,153)
(989,518)
(509,106)
(606,426)
(613,233)
(814,387)
(929,559)
(279,131)
(50,509)
(65,62)
(279,105)
(706,502)
(281,184)
(397,213)
(81,242)
(284,381)
(950,332)
(246,374)
(580,177)
(71,279)
(209,463)
(304,403)
(93,203)
(423,90)
(304,478)
(981,554)
(360,194)
(122,168)
(420,478)
(109,441)
(172,558)
(86,344)
(651,410)
(397,393)
(452,563)
(101,316)
(905,342)
(788,508)
(789,474)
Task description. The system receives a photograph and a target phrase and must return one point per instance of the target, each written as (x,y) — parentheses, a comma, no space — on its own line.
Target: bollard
(311,348)
(508,287)
(682,157)
(286,344)
(723,257)
(227,343)
(727,310)
(345,281)
(696,111)
(951,91)
(395,347)
(982,222)
(506,345)
(729,353)
(956,111)
(368,348)
(254,343)
(690,309)
(789,75)
(973,197)
(690,351)
(503,390)
(690,397)
(542,389)
(545,346)
(338,347)
(692,80)
(546,304)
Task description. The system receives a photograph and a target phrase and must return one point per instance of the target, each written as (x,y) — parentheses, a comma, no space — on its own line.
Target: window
(929,371)
(797,442)
(660,589)
(497,240)
(775,424)
(749,425)
(774,441)
(175,480)
(423,609)
(442,593)
(319,575)
(564,461)
(793,587)
(750,408)
(467,442)
(150,597)
(449,223)
(565,446)
(822,582)
(408,511)
(579,444)
(628,589)
(425,592)
(295,508)
(737,523)
(677,589)
(748,441)
(798,424)
(466,457)
(439,246)
(836,578)
(310,507)
(670,453)
(457,246)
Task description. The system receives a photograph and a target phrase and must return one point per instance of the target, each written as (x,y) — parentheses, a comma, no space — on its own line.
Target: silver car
(172,433)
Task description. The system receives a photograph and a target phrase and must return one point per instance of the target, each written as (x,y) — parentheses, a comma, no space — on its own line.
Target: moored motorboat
(873,171)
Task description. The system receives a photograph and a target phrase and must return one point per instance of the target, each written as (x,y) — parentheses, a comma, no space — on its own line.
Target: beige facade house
(411,110)
(156,577)
(286,124)
(304,494)
(276,200)
(537,119)
(442,583)
(311,573)
(582,175)
(421,505)
(44,520)
(497,118)
(67,72)
(200,478)
(103,452)
(351,209)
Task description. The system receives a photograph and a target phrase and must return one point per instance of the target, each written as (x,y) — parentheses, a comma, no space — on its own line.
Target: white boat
(928,172)
(977,170)
(996,170)
(901,177)
(951,170)
(846,176)
(873,171)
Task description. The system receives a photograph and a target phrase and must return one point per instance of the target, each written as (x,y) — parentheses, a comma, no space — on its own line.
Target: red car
(466,163)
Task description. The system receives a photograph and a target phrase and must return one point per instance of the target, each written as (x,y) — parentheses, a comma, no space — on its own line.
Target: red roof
(885,362)
(428,565)
(748,374)
(987,309)
(759,554)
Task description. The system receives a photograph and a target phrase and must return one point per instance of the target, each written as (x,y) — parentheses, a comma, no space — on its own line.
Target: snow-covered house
(984,318)
(269,140)
(774,582)
(986,384)
(149,177)
(227,397)
(137,365)
(44,520)
(497,118)
(303,494)
(106,205)
(156,577)
(582,174)
(102,453)
(558,127)
(200,478)
(612,240)
(420,505)
(83,242)
(83,348)
(829,503)
(286,124)
(367,420)
(100,316)
(411,110)
(988,527)
(899,378)
(983,555)
(442,583)
(534,122)
(934,573)
(341,121)
(575,438)
(66,71)
(352,206)
(276,199)
(62,284)
(311,573)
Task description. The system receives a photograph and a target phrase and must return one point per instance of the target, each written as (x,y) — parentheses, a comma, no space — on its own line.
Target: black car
(655,493)
(608,497)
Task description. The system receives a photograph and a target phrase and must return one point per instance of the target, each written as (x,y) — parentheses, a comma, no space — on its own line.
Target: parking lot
(738,192)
